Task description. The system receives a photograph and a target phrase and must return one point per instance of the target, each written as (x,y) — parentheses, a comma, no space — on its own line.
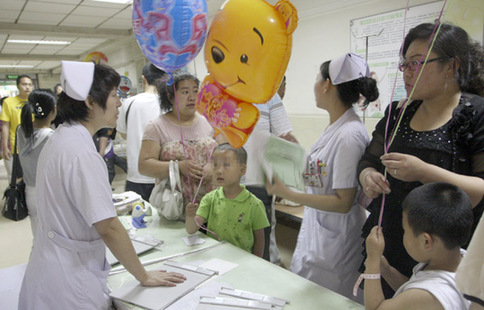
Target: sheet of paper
(286,160)
(156,298)
(139,247)
(222,266)
(193,240)
(275,156)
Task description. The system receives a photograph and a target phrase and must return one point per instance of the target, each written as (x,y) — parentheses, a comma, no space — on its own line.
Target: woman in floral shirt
(180,134)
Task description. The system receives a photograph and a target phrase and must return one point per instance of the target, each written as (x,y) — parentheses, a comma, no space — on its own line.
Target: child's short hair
(240,153)
(440,209)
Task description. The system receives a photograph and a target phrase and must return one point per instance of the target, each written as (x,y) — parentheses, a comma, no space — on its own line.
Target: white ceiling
(88,24)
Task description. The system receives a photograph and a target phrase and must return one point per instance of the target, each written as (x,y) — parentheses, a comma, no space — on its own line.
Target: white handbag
(166,196)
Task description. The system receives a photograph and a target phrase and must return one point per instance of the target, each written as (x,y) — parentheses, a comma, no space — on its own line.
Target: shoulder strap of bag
(174,175)
(177,175)
(13,179)
(127,114)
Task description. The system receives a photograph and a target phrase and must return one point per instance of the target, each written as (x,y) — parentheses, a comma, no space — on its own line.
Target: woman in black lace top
(440,137)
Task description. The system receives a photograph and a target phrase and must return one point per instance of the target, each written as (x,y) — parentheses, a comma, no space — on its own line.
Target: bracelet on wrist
(364,276)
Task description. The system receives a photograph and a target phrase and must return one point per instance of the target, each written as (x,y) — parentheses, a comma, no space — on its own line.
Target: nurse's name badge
(312,179)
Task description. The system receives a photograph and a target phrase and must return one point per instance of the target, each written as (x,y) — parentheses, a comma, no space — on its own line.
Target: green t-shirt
(233,220)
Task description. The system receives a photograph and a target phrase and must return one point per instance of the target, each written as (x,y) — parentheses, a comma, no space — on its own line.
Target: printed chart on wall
(383,35)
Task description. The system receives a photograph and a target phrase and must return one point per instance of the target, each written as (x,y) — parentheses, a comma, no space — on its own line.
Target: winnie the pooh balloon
(246,52)
(248,47)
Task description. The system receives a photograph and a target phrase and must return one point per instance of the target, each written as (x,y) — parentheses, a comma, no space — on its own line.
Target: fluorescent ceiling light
(115,1)
(39,42)
(16,66)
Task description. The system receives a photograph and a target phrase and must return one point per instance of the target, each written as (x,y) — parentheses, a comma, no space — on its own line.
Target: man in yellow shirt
(10,117)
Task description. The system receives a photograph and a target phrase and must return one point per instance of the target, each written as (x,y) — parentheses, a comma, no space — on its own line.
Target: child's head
(440,210)
(228,164)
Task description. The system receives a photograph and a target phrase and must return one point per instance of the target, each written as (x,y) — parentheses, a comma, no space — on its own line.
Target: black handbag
(15,207)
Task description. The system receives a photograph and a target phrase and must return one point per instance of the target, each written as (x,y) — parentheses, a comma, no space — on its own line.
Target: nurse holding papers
(76,215)
(329,245)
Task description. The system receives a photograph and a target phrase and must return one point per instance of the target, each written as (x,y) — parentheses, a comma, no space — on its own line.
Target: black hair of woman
(41,103)
(454,44)
(105,80)
(167,92)
(349,92)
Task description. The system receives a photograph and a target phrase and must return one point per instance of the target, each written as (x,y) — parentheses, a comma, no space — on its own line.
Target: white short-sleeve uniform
(67,267)
(441,284)
(329,245)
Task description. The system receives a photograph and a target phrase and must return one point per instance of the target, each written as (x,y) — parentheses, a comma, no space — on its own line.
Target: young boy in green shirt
(230,211)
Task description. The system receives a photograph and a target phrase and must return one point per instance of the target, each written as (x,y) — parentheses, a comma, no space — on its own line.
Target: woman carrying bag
(179,135)
(31,138)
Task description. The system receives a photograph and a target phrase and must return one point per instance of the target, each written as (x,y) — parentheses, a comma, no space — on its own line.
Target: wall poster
(385,36)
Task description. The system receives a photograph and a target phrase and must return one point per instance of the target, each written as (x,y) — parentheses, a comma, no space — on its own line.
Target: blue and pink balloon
(170,32)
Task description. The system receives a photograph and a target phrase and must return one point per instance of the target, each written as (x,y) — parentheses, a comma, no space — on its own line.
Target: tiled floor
(16,237)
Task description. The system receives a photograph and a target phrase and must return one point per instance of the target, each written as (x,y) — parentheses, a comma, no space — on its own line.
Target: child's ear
(243,169)
(428,241)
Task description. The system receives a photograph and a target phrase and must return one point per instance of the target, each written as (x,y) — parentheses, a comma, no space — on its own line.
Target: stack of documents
(234,299)
(276,157)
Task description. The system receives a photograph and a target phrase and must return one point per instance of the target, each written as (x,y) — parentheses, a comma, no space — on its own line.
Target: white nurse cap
(76,78)
(347,68)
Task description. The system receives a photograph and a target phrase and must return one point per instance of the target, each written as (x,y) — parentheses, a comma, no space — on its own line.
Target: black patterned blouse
(457,146)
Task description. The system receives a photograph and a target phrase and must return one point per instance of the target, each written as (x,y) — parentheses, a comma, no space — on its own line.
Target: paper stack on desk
(234,299)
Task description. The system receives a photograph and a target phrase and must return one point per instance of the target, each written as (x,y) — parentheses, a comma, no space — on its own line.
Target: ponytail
(41,103)
(26,120)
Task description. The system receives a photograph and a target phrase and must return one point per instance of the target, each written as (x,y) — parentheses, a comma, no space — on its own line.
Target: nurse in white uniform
(329,245)
(76,216)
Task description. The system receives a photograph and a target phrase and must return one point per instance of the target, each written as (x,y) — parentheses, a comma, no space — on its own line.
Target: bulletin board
(385,34)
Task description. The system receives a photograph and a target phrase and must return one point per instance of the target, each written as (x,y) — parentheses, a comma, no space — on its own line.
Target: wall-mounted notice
(385,34)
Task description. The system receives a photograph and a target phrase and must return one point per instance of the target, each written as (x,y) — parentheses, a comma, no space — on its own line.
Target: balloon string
(420,67)
(201,180)
(196,194)
(206,229)
(182,141)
